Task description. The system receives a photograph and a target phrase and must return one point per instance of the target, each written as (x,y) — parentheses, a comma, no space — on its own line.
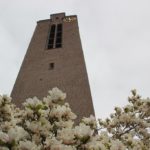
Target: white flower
(117,145)
(4,137)
(7,109)
(104,137)
(43,113)
(118,110)
(41,126)
(62,147)
(48,125)
(62,111)
(28,145)
(36,138)
(83,131)
(29,113)
(91,121)
(17,133)
(125,118)
(3,148)
(53,144)
(47,100)
(5,99)
(33,102)
(64,124)
(56,94)
(94,144)
(33,126)
(66,135)
(52,141)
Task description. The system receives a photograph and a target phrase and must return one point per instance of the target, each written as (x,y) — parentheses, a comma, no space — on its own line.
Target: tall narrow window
(51,37)
(51,66)
(58,42)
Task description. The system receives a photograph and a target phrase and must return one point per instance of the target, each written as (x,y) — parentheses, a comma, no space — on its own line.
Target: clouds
(115,37)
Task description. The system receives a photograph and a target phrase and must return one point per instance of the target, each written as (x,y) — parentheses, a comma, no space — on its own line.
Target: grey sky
(115,37)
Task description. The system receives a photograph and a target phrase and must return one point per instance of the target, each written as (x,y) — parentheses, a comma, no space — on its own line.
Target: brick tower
(55,59)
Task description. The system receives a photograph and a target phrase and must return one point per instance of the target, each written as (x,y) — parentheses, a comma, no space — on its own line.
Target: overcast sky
(115,37)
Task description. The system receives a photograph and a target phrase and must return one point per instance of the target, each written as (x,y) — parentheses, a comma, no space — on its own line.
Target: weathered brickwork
(69,73)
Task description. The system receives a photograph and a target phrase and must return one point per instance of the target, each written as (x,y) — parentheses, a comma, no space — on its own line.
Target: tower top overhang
(59,17)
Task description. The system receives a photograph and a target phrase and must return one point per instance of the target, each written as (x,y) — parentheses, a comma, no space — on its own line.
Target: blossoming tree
(48,124)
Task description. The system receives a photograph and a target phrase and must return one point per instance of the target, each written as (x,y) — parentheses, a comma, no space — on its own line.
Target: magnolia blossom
(56,94)
(4,137)
(83,131)
(117,145)
(48,124)
(62,112)
(95,144)
(17,133)
(28,145)
(66,135)
(91,121)
(33,102)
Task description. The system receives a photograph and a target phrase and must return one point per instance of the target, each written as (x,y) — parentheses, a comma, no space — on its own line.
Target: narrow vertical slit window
(51,66)
(51,37)
(58,42)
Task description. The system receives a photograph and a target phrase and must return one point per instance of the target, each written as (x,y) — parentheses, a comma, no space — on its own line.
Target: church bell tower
(55,59)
